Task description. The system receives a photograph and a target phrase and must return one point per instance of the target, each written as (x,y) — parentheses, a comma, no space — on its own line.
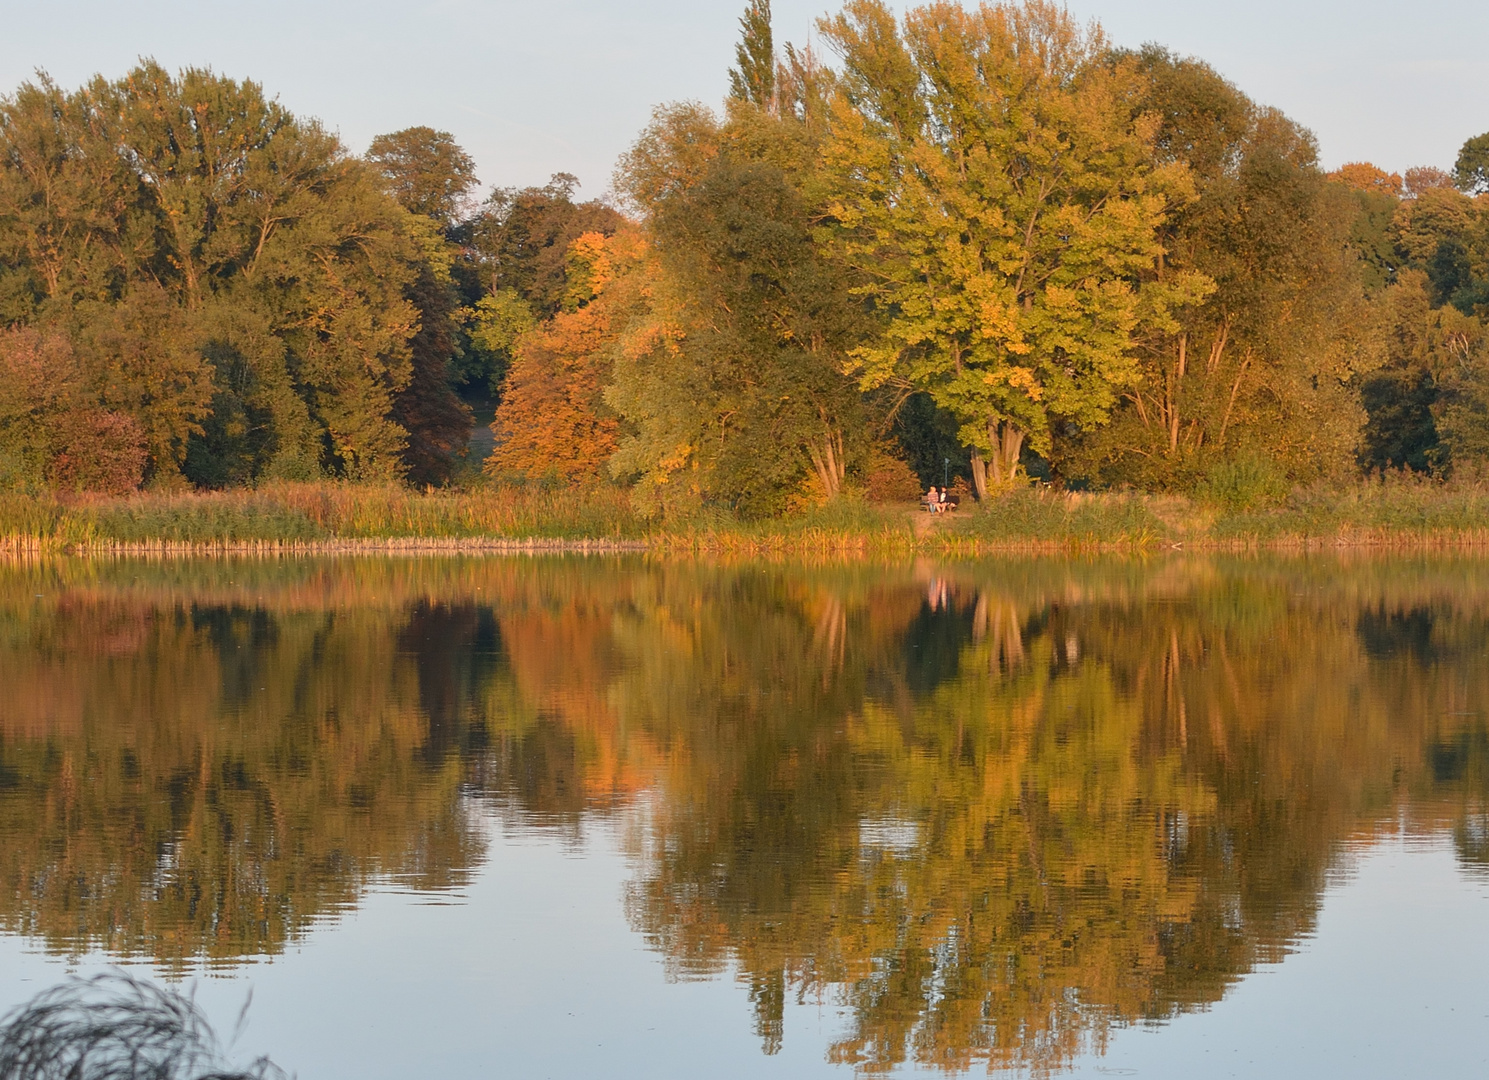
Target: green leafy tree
(1267,366)
(512,274)
(998,196)
(1401,430)
(427,171)
(432,177)
(521,238)
(1446,234)
(1471,172)
(231,279)
(496,322)
(736,392)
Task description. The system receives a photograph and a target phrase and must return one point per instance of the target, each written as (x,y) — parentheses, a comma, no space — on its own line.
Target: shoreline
(1399,514)
(728,544)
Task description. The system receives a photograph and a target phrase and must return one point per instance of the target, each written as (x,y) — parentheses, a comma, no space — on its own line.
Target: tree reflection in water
(992,809)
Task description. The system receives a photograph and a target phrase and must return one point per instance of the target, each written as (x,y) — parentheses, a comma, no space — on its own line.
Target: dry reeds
(114,1027)
(1395,513)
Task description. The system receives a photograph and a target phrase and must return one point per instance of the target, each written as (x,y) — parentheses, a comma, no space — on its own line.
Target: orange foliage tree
(553,419)
(1363,176)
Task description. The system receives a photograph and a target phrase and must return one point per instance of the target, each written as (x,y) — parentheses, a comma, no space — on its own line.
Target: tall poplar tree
(754,79)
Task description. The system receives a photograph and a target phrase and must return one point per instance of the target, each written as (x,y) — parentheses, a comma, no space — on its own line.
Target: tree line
(983,241)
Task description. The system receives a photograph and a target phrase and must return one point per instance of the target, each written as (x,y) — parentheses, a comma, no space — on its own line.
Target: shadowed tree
(430,175)
(427,171)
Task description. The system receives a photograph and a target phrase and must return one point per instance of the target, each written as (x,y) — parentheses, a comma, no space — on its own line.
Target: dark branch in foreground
(115,1027)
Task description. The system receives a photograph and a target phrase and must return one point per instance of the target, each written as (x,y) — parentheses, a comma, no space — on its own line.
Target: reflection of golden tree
(1114,809)
(1064,796)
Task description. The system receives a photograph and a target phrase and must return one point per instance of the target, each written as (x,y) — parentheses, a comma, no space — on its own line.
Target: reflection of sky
(1394,983)
(531,89)
(533,972)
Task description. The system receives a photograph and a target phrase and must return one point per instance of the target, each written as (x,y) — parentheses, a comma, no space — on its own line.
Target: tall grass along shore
(1397,511)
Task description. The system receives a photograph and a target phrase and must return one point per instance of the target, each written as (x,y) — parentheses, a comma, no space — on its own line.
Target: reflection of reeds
(113,1027)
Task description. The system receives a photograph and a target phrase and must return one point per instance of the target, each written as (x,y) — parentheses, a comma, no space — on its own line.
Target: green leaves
(176,227)
(754,80)
(1472,169)
(996,194)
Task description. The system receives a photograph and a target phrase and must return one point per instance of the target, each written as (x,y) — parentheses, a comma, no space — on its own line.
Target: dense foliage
(981,242)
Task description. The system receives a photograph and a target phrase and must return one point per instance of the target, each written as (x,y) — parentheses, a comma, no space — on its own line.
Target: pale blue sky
(532,88)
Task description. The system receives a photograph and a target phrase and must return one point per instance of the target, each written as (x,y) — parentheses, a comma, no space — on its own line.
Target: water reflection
(994,809)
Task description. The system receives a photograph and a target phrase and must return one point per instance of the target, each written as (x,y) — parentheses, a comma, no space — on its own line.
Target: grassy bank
(320,515)
(1400,512)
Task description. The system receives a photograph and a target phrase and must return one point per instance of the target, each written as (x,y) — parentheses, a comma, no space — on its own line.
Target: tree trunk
(829,463)
(1008,443)
(996,473)
(1175,385)
(979,476)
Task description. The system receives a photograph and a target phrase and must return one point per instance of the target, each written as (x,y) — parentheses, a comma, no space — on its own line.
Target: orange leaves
(553,419)
(1363,176)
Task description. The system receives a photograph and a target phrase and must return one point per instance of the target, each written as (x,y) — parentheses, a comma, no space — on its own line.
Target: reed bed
(846,527)
(298,517)
(1044,520)
(1395,512)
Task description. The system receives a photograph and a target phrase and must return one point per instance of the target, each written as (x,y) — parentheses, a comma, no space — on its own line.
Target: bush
(890,480)
(1042,515)
(1243,483)
(98,450)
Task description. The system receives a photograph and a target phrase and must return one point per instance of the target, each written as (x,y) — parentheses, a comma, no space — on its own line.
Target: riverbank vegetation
(1104,294)
(1401,509)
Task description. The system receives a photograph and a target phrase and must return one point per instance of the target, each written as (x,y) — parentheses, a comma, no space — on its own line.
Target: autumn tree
(1427,404)
(997,193)
(521,237)
(1363,176)
(53,433)
(426,170)
(212,250)
(431,176)
(753,79)
(1445,233)
(1266,368)
(512,271)
(735,391)
(553,419)
(1471,171)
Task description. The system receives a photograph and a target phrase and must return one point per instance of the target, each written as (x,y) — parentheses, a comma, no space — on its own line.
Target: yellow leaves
(1001,320)
(594,260)
(1004,228)
(674,461)
(1363,176)
(1020,378)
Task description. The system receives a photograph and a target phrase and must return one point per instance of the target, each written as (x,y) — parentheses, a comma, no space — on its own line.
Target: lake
(627,817)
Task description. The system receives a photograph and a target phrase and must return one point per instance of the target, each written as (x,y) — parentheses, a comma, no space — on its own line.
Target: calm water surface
(586,817)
